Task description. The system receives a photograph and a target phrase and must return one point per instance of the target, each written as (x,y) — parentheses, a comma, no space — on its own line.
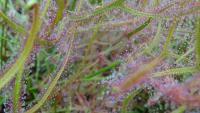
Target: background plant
(99,56)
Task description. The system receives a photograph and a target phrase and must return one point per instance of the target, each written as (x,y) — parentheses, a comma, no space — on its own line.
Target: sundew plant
(99,56)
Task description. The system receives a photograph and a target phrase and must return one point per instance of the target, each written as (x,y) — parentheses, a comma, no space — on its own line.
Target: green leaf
(170,34)
(180,109)
(140,28)
(44,11)
(156,40)
(174,71)
(24,54)
(16,91)
(61,7)
(72,5)
(12,24)
(197,42)
(128,99)
(93,75)
(2,99)
(137,13)
(98,11)
(95,2)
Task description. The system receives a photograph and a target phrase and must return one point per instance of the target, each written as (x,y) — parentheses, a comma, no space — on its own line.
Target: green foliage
(95,1)
(136,12)
(61,7)
(128,99)
(2,99)
(176,71)
(12,24)
(180,109)
(155,42)
(197,42)
(16,91)
(170,34)
(98,11)
(24,54)
(95,53)
(94,75)
(72,5)
(138,29)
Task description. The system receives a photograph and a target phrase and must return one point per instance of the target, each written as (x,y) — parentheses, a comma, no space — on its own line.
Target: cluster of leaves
(71,52)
